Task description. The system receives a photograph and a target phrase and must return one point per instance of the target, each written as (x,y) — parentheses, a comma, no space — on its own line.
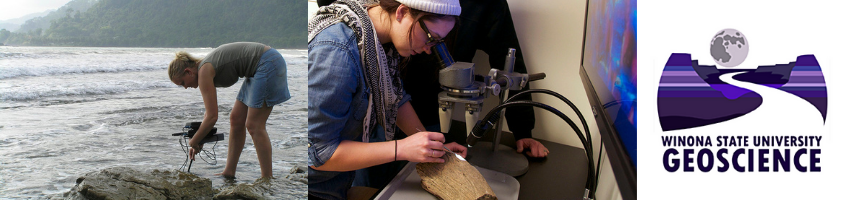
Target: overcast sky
(10,9)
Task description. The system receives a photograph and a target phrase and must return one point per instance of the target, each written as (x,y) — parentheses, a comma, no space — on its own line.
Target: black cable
(581,117)
(184,145)
(565,100)
(210,155)
(598,163)
(591,176)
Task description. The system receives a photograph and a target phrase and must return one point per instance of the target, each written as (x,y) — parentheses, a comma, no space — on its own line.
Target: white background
(778,31)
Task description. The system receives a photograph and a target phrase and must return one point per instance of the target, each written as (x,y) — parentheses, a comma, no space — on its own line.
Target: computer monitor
(609,73)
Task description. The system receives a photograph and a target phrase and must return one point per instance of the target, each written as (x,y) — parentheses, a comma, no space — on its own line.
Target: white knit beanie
(443,7)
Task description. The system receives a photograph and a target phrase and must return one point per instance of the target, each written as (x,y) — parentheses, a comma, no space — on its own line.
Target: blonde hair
(182,60)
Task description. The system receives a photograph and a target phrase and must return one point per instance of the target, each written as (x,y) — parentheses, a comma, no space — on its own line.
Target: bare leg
(256,124)
(237,138)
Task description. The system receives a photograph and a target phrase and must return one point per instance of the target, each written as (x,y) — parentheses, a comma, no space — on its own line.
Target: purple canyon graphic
(692,95)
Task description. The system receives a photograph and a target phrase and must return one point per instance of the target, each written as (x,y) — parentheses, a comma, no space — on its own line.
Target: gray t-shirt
(234,60)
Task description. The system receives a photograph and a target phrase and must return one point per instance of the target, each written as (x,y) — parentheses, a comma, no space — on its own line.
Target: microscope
(457,80)
(459,87)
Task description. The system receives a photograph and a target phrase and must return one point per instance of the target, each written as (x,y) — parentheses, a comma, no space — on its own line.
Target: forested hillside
(15,24)
(71,8)
(172,23)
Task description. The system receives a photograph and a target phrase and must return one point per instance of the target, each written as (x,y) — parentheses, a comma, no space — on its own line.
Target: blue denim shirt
(338,97)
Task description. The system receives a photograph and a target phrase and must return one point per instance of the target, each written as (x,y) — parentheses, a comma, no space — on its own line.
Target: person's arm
(490,28)
(503,36)
(353,155)
(332,81)
(408,121)
(520,119)
(207,88)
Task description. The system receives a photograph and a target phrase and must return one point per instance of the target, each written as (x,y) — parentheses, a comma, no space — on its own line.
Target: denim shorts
(268,86)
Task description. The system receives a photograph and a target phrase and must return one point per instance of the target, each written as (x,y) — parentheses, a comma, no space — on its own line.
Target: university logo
(692,95)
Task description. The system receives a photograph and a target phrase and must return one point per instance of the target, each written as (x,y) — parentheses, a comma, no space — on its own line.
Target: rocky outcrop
(291,186)
(128,183)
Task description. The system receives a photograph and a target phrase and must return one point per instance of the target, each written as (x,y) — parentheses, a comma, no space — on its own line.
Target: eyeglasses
(432,40)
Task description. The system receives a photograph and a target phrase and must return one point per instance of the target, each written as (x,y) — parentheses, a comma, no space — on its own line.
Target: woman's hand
(194,149)
(536,149)
(422,147)
(457,148)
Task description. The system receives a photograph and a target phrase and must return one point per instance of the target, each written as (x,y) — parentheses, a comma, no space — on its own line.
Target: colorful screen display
(610,60)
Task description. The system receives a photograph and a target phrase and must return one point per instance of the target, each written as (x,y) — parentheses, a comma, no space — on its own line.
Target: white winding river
(781,113)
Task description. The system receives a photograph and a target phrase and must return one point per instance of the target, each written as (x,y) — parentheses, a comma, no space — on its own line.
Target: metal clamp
(444,105)
(473,107)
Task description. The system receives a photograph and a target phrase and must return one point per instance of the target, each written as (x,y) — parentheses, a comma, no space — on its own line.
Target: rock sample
(128,183)
(454,179)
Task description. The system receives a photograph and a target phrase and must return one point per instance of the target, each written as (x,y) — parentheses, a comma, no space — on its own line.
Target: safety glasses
(432,40)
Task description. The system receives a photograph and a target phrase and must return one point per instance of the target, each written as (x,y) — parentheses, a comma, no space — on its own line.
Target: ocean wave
(49,70)
(34,55)
(4,55)
(93,88)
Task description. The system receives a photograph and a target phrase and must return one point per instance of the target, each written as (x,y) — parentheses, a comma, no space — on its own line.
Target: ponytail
(182,60)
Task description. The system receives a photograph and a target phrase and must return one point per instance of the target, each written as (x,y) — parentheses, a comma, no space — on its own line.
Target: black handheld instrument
(192,127)
(188,132)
